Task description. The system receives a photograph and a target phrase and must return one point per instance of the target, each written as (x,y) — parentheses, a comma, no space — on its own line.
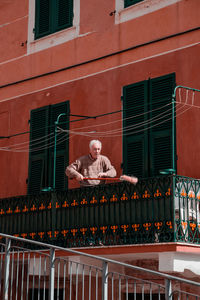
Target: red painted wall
(95,87)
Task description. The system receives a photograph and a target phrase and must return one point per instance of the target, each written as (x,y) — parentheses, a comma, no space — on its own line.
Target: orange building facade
(87,66)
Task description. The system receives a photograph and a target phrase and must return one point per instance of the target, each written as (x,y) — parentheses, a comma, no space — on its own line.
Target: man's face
(95,150)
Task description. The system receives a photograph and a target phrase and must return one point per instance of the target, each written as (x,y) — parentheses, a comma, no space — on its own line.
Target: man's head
(95,148)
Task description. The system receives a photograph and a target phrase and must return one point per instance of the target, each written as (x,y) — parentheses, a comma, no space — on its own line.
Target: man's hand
(79,177)
(102,174)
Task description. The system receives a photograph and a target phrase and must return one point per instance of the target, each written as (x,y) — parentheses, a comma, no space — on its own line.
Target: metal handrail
(184,87)
(102,259)
(173,118)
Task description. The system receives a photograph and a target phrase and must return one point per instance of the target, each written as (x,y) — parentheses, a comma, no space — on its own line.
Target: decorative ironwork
(135,226)
(25,209)
(159,209)
(187,209)
(113,199)
(65,204)
(41,206)
(103,200)
(17,210)
(84,201)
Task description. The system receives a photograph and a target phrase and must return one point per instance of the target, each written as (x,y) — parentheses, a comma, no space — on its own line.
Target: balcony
(156,210)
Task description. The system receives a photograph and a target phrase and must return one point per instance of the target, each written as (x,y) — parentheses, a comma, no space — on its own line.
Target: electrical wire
(135,116)
(46,146)
(36,141)
(121,131)
(124,130)
(91,135)
(111,133)
(128,118)
(50,144)
(147,122)
(195,106)
(33,143)
(102,124)
(88,117)
(37,147)
(130,127)
(119,120)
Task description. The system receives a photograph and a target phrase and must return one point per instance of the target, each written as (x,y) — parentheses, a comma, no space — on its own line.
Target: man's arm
(109,170)
(73,170)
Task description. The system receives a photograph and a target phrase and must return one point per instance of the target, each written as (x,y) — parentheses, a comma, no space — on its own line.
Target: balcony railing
(54,272)
(159,209)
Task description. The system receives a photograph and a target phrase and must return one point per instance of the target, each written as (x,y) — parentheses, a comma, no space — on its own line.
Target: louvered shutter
(135,138)
(42,18)
(131,2)
(36,172)
(62,145)
(52,16)
(160,134)
(64,14)
(38,156)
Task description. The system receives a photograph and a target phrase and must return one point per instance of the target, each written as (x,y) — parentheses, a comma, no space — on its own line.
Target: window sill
(54,39)
(139,9)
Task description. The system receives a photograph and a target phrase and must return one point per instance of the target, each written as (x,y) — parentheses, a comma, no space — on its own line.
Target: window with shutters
(52,16)
(131,2)
(51,23)
(42,141)
(147,126)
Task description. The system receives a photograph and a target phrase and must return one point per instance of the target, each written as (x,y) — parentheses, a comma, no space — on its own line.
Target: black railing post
(174,182)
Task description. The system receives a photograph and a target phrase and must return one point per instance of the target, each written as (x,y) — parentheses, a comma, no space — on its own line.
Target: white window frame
(53,39)
(139,9)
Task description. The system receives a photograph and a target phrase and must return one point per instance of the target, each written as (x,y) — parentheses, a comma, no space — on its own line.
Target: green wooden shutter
(38,157)
(52,16)
(160,134)
(135,137)
(64,14)
(62,145)
(131,2)
(36,175)
(42,18)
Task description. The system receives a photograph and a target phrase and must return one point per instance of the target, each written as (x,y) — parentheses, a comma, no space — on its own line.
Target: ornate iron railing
(187,209)
(159,209)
